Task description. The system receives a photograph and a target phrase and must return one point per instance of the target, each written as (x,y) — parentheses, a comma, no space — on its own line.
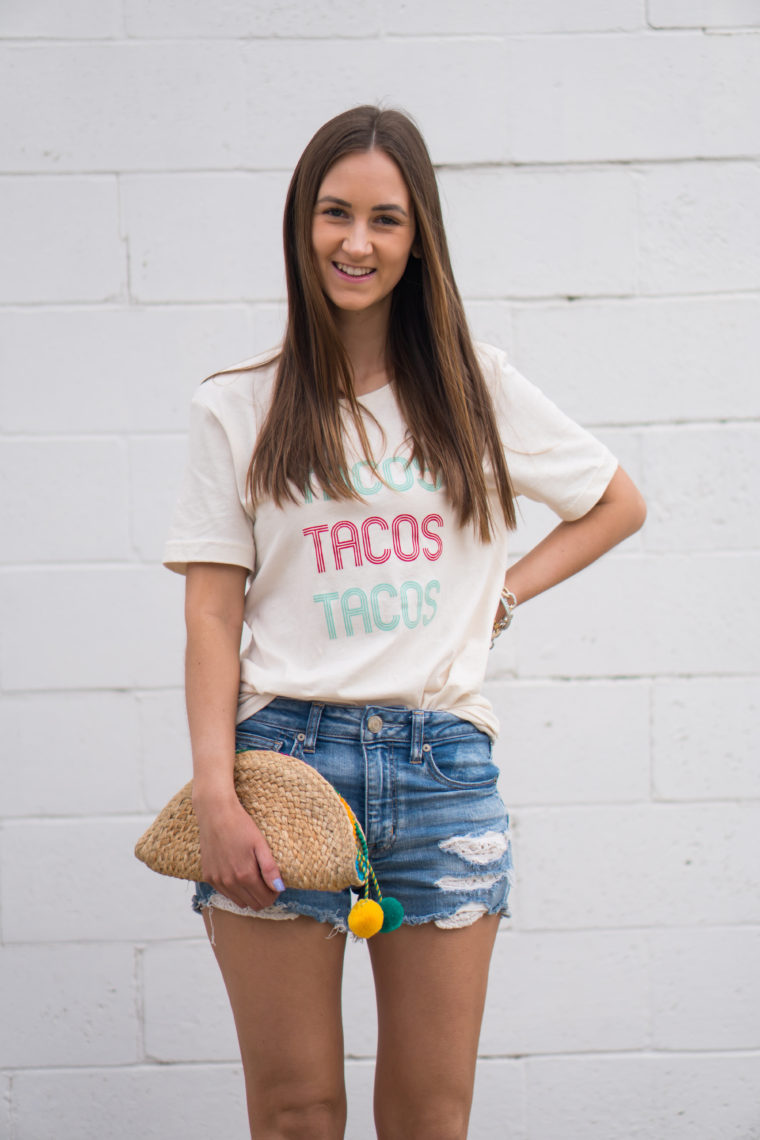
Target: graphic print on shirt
(378,605)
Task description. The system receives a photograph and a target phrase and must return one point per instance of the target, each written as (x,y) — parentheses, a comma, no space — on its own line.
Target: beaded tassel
(367,916)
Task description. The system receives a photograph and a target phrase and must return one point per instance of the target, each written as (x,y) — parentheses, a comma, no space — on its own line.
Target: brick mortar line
(140,693)
(516,806)
(179,434)
(528,302)
(149,1067)
(645,30)
(510,680)
(469,167)
(127,436)
(506,932)
(519,303)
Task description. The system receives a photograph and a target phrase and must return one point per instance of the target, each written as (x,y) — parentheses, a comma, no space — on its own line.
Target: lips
(355,272)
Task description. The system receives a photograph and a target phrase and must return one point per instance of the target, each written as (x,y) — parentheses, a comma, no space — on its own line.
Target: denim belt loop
(418,730)
(312,727)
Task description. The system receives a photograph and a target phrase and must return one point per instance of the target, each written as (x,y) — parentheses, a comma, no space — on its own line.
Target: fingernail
(278,885)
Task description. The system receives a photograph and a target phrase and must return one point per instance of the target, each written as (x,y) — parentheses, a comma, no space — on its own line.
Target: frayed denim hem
(276,912)
(463,916)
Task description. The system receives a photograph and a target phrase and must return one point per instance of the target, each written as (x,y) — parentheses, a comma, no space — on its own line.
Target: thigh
(284,979)
(431,987)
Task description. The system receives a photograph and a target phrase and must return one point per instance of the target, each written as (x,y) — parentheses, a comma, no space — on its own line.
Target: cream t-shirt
(383,600)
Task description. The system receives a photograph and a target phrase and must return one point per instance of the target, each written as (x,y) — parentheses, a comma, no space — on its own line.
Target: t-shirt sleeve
(210,522)
(551,458)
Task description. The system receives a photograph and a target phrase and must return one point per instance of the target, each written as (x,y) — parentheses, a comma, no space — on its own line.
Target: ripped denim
(423,787)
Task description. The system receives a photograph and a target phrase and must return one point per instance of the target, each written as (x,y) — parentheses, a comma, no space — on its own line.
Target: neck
(365,337)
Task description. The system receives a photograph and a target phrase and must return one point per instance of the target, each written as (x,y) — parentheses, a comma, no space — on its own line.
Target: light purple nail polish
(278,885)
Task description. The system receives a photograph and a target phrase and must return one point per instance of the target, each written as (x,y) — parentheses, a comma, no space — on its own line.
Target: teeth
(352,271)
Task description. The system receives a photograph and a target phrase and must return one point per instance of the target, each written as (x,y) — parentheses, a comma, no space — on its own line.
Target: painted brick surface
(703,14)
(706,990)
(541,244)
(137,613)
(687,79)
(187,1015)
(49,737)
(80,19)
(640,361)
(360,1078)
(582,629)
(159,106)
(573,992)
(511,17)
(672,864)
(165,745)
(194,1101)
(634,1098)
(42,260)
(156,466)
(562,742)
(109,370)
(54,889)
(64,500)
(704,738)
(500,1105)
(701,486)
(690,242)
(235,223)
(5,1103)
(68,1005)
(358,997)
(239,19)
(456,113)
(598,164)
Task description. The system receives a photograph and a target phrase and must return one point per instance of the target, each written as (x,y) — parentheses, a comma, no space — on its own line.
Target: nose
(357,242)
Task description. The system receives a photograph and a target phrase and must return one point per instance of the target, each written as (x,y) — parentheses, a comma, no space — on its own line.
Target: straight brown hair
(430,357)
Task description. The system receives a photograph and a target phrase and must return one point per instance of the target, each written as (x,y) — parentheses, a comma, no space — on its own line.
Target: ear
(417,250)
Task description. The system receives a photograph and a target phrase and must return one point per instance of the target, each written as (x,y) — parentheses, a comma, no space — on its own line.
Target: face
(362,231)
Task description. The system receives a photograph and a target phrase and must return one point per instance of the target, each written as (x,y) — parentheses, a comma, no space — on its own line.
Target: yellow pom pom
(366,918)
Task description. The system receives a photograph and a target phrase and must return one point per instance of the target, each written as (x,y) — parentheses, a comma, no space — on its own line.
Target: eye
(388,220)
(334,212)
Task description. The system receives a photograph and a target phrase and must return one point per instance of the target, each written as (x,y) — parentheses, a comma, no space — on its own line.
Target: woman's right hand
(235,857)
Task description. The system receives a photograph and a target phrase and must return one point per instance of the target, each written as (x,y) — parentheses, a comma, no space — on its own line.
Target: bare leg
(431,988)
(283,979)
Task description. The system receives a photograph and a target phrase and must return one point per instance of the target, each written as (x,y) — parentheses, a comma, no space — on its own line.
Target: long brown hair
(430,356)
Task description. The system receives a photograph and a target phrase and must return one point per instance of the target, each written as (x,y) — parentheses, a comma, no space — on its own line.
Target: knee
(299,1116)
(425,1122)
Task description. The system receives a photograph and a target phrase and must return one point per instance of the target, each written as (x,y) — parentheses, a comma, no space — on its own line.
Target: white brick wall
(599,166)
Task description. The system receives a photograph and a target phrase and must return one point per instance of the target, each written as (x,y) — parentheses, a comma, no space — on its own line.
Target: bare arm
(236,858)
(573,545)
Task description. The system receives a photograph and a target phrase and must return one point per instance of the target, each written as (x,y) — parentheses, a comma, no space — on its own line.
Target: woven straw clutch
(308,826)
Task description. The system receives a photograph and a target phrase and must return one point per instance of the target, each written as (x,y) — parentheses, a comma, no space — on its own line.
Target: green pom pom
(393,912)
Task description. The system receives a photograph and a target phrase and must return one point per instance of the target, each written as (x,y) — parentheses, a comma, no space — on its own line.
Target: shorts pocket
(465,762)
(250,735)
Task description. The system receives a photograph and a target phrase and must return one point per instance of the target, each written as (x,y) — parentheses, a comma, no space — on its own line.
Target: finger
(258,895)
(246,889)
(270,872)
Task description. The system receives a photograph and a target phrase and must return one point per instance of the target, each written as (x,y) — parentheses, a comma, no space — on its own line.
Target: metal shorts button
(375,723)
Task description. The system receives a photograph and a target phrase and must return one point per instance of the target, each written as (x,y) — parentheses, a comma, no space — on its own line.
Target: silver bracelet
(509,601)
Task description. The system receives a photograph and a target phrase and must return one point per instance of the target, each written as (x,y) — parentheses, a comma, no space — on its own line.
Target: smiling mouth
(353,271)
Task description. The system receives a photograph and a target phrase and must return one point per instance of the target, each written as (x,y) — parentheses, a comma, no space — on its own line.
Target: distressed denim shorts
(423,787)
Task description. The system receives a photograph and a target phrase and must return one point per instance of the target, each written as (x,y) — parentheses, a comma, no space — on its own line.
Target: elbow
(629,504)
(638,512)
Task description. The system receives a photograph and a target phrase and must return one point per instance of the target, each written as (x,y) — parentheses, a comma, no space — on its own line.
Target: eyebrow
(383,205)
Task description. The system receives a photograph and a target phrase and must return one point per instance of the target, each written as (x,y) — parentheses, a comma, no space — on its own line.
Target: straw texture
(305,822)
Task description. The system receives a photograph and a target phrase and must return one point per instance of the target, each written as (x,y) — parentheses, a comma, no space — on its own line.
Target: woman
(360,480)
